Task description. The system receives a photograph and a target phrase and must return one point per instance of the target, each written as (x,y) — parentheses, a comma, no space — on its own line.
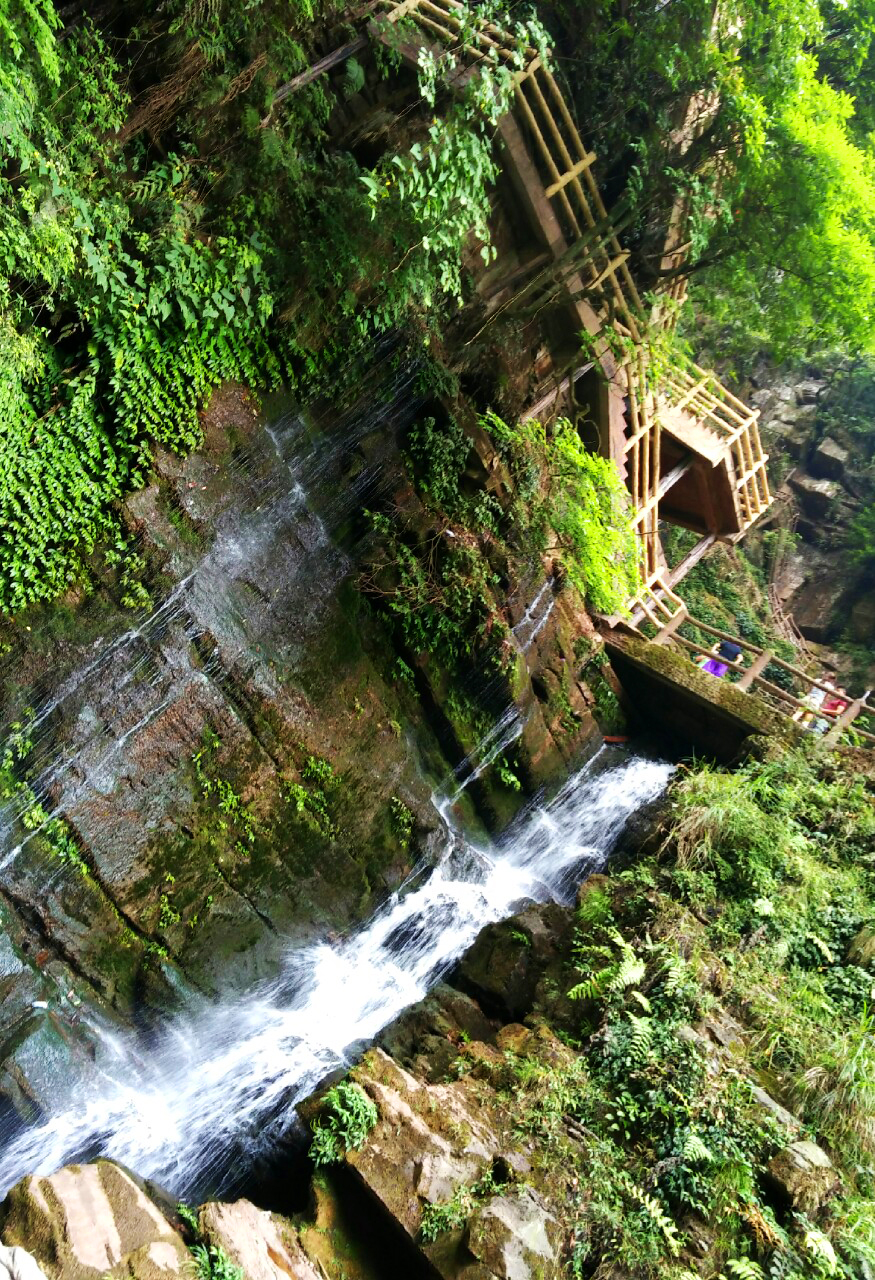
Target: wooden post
(756,667)
(312,73)
(849,714)
(672,625)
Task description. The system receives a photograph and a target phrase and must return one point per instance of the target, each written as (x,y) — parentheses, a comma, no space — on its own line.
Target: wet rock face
(90,1221)
(816,583)
(261,646)
(259,656)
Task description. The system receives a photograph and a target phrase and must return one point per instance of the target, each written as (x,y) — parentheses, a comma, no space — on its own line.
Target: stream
(219,1086)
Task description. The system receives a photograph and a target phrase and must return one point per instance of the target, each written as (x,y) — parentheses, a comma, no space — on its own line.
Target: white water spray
(225,1079)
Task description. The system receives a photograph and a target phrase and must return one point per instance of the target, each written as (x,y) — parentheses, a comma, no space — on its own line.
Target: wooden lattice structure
(687,434)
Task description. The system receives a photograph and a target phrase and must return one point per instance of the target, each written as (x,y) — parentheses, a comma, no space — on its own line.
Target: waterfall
(223,1079)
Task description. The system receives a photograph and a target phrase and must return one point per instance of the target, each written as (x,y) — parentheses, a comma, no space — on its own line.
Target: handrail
(757,681)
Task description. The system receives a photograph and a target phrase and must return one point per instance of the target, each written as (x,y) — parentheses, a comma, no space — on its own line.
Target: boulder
(264,1245)
(90,1221)
(807,392)
(514,1237)
(768,1103)
(816,497)
(829,460)
(862,624)
(503,968)
(425,1039)
(862,950)
(18,1264)
(803,1176)
(429,1139)
(819,606)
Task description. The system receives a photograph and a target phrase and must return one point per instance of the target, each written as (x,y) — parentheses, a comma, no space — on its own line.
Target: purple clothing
(715,667)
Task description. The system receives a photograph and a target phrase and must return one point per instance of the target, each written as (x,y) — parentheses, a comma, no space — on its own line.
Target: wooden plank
(691,558)
(546,154)
(570,175)
(670,479)
(317,69)
(575,182)
(609,269)
(691,394)
(529,187)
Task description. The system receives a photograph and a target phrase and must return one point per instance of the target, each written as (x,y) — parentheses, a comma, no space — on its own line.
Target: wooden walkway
(688,408)
(754,679)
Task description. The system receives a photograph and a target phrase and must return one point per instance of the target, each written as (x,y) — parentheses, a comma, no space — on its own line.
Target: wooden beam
(671,626)
(312,73)
(671,478)
(756,668)
(693,556)
(724,635)
(556,187)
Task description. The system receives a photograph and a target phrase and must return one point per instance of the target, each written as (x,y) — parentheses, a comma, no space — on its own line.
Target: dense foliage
(161,225)
(580,499)
(735,958)
(119,308)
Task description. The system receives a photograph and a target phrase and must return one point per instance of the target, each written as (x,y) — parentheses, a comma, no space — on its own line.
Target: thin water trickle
(223,1080)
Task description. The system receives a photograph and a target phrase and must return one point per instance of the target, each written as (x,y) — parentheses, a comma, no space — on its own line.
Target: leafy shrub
(211,1262)
(439,595)
(582,499)
(452,1214)
(346,1117)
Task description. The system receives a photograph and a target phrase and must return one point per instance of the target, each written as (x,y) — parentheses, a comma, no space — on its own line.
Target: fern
(641,1043)
(654,1211)
(695,1150)
(820,1249)
(744,1269)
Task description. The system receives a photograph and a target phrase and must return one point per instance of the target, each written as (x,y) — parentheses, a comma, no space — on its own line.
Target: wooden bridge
(689,450)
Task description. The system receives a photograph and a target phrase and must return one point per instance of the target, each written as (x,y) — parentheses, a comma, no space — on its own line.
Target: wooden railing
(753,678)
(702,394)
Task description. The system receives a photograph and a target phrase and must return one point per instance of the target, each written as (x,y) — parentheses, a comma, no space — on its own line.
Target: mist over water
(220,1083)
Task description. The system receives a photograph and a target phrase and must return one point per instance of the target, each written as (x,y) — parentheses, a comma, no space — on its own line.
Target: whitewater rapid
(221,1082)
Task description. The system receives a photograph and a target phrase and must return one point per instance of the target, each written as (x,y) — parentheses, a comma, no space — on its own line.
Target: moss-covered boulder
(504,967)
(89,1221)
(804,1177)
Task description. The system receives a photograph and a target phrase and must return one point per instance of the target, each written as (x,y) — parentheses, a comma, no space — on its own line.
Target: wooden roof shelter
(689,450)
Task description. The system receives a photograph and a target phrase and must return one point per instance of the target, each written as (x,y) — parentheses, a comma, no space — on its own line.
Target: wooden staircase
(552,172)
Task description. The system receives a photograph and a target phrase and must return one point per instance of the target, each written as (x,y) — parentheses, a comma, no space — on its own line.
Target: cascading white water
(226,1078)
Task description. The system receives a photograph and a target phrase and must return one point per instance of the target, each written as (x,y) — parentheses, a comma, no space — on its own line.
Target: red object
(615,737)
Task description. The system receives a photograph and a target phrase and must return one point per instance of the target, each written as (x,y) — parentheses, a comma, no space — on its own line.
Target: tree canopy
(758,117)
